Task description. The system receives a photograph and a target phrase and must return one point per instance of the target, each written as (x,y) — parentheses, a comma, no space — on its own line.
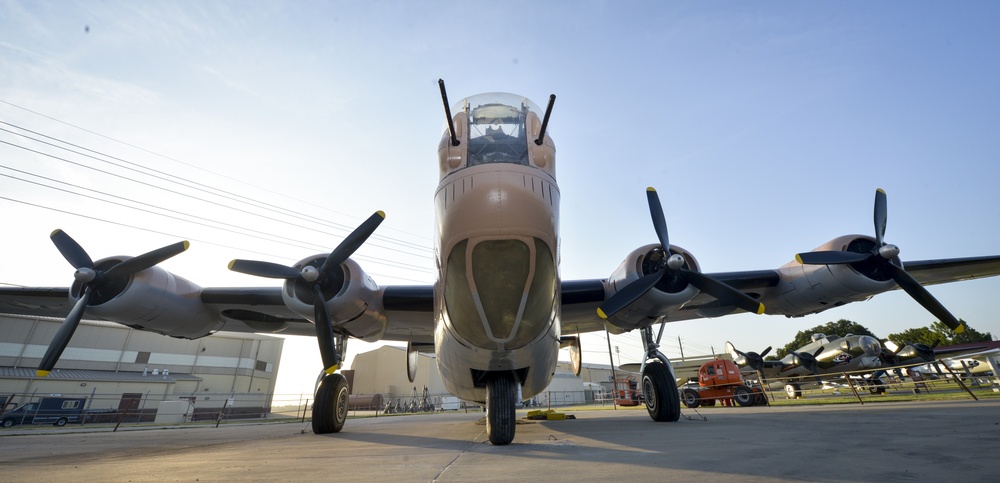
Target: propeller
(808,360)
(878,263)
(322,281)
(673,265)
(926,352)
(95,282)
(754,360)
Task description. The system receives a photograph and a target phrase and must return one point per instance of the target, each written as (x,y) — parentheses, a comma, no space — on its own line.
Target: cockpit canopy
(496,127)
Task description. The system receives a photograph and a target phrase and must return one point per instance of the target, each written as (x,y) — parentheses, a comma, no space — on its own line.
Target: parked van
(48,410)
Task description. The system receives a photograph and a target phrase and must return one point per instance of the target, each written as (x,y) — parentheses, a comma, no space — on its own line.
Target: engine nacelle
(669,292)
(808,289)
(353,303)
(154,300)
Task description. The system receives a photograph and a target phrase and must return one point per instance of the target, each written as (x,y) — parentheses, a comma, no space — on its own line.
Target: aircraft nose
(870,345)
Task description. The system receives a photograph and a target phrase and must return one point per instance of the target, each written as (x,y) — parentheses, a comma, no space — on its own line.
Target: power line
(284,195)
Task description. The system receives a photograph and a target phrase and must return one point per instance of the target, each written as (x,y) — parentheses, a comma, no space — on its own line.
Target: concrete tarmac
(932,441)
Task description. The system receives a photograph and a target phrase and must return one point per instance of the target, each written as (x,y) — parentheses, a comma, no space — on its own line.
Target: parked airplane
(499,312)
(834,355)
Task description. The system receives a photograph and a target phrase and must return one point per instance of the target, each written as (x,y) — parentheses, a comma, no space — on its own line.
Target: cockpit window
(498,125)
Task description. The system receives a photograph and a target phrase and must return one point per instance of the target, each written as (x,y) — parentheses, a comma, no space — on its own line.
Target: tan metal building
(115,366)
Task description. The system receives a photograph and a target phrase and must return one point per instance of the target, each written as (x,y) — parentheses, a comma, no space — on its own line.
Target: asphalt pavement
(933,441)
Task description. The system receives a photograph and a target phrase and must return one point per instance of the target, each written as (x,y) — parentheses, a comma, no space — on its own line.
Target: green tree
(938,332)
(841,327)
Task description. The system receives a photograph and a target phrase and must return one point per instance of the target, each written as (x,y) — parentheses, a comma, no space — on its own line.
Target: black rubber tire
(501,418)
(60,422)
(793,391)
(7,422)
(743,396)
(876,386)
(330,409)
(691,398)
(663,401)
(760,398)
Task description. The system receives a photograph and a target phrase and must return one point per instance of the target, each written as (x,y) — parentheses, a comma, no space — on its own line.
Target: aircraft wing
(581,298)
(931,272)
(407,309)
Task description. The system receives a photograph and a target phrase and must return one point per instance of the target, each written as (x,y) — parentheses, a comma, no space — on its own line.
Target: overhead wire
(200,168)
(247,212)
(234,197)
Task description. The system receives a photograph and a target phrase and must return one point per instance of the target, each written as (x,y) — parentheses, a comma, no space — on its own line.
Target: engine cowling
(154,300)
(669,292)
(351,300)
(808,289)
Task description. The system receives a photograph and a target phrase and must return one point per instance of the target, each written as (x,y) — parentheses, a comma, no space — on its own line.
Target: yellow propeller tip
(231,263)
(381,213)
(651,189)
(798,258)
(880,190)
(960,329)
(760,309)
(331,369)
(42,373)
(601,314)
(187,244)
(57,230)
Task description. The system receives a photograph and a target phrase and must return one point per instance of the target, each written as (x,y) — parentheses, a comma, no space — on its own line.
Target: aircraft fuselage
(496,304)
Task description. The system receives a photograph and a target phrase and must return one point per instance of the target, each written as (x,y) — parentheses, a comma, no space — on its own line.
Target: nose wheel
(501,420)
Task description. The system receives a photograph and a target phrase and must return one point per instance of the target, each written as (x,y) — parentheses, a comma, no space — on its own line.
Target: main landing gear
(332,394)
(330,406)
(659,388)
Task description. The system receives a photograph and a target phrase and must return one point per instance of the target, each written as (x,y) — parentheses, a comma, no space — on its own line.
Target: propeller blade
(628,294)
(263,269)
(324,333)
(911,286)
(147,260)
(724,293)
(659,220)
(762,354)
(71,250)
(65,333)
(880,216)
(830,258)
(352,242)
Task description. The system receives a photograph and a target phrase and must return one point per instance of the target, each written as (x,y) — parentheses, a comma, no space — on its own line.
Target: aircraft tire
(501,418)
(663,401)
(330,409)
(743,396)
(793,391)
(691,398)
(876,386)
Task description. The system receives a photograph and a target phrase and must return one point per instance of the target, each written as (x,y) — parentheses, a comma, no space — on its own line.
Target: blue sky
(765,127)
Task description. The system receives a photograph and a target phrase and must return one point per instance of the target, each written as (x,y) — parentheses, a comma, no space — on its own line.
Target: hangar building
(117,367)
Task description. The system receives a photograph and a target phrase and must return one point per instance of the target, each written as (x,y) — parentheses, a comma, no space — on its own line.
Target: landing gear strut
(501,420)
(332,394)
(659,388)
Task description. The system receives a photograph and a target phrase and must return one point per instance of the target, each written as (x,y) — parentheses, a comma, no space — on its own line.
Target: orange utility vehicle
(720,380)
(627,392)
